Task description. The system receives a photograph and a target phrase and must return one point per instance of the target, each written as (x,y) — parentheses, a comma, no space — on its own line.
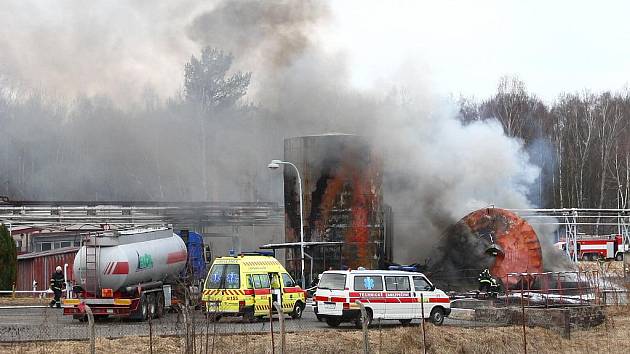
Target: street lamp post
(273,165)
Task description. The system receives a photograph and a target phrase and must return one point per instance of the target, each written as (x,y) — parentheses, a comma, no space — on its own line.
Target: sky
(465,46)
(455,47)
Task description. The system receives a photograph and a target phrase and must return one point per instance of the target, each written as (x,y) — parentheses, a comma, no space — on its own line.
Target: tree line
(579,141)
(209,143)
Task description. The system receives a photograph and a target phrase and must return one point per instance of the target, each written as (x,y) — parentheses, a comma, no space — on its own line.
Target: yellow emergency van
(245,285)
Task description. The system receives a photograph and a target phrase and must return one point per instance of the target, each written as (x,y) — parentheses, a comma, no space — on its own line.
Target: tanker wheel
(160,305)
(152,304)
(144,308)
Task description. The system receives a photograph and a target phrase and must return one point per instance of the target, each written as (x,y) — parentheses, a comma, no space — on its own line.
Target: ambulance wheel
(358,323)
(213,317)
(333,321)
(619,257)
(405,321)
(437,316)
(298,309)
(320,318)
(248,315)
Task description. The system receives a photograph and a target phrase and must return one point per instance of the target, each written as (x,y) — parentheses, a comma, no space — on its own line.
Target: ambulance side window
(264,280)
(368,283)
(261,281)
(256,281)
(420,284)
(287,280)
(397,283)
(250,282)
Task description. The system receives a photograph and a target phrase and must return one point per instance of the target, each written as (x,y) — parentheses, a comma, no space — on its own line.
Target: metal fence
(598,323)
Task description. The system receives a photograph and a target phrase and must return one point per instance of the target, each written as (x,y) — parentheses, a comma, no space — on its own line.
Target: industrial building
(341,176)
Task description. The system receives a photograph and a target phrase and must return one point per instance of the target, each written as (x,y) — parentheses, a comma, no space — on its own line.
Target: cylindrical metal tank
(130,258)
(492,238)
(341,181)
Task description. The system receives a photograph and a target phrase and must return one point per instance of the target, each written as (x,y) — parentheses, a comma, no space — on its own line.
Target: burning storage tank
(491,238)
(341,180)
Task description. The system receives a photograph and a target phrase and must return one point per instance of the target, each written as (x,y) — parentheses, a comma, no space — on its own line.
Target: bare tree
(610,125)
(511,105)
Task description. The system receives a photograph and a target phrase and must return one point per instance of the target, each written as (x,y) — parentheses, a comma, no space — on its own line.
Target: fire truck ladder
(571,247)
(91,270)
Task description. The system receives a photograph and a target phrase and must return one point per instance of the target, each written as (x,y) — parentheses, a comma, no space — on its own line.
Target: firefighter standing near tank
(487,283)
(485,280)
(56,283)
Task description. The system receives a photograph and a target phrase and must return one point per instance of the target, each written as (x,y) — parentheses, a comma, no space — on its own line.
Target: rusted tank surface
(496,239)
(517,240)
(40,266)
(342,178)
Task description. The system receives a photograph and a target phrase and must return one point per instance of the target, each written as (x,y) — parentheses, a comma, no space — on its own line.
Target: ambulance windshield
(332,281)
(224,276)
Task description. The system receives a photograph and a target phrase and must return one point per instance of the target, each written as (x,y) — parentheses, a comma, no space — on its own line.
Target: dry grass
(610,268)
(444,339)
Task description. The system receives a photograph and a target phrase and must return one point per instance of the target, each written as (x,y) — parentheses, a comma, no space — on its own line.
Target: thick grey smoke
(114,48)
(437,169)
(275,32)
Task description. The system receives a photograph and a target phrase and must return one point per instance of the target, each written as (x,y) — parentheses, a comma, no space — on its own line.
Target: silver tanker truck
(133,273)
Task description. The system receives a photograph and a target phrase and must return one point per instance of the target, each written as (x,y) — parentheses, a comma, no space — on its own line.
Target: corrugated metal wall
(41,267)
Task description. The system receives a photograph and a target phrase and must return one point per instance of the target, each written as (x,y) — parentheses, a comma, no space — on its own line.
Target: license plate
(213,304)
(329,306)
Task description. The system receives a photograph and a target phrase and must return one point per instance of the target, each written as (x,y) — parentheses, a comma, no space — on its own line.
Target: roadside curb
(23,307)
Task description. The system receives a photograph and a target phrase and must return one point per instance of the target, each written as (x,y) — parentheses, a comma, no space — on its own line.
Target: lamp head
(273,165)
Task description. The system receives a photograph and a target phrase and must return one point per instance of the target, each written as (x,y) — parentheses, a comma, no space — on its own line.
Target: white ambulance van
(386,294)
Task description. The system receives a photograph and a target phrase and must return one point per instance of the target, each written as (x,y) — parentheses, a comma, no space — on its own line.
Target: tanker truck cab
(386,294)
(245,285)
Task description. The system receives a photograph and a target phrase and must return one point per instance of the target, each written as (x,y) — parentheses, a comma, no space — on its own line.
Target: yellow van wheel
(248,315)
(298,309)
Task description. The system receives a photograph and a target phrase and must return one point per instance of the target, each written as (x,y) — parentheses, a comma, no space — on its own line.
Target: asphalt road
(31,324)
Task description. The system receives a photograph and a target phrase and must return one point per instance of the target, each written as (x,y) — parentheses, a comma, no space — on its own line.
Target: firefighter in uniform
(485,280)
(56,283)
(487,283)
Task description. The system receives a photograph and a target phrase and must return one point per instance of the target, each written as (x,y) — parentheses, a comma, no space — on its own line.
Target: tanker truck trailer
(134,273)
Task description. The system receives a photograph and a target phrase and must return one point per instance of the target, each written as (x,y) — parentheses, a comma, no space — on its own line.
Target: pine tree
(8,259)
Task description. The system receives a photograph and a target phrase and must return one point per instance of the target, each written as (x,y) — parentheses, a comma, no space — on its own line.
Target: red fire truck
(591,248)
